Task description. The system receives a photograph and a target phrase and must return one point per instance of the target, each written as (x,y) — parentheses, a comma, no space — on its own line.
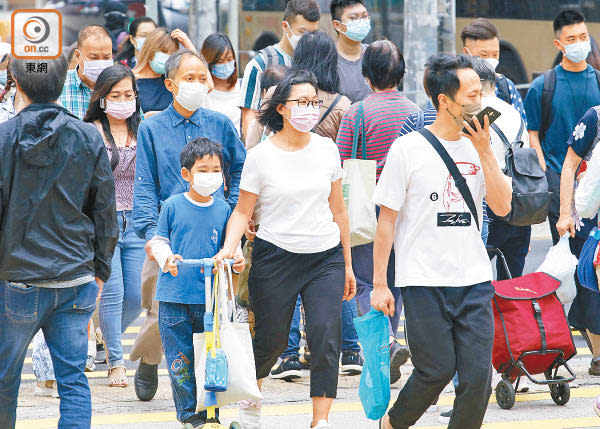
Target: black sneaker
(399,354)
(445,417)
(289,369)
(352,363)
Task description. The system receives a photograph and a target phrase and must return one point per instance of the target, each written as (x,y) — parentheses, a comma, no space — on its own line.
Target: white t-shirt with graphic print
(293,191)
(434,242)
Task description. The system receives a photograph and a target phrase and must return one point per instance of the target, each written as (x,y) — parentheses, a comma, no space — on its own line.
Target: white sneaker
(250,414)
(45,392)
(322,424)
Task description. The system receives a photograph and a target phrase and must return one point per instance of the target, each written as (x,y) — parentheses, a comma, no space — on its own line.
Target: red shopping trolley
(531,335)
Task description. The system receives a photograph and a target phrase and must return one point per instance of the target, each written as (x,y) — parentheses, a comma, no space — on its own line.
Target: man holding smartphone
(433,223)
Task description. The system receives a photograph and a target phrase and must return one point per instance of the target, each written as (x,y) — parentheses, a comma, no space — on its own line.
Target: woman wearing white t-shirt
(220,56)
(292,182)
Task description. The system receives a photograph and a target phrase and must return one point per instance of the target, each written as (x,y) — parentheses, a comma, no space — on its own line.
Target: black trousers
(275,280)
(513,241)
(449,329)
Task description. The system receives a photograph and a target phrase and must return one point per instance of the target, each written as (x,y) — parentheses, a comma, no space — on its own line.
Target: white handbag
(358,185)
(237,345)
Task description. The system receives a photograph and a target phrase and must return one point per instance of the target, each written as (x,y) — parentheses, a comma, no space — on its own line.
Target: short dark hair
(40,88)
(270,117)
(567,17)
(174,61)
(316,52)
(383,64)
(336,7)
(308,9)
(198,149)
(486,74)
(89,31)
(441,77)
(272,76)
(480,29)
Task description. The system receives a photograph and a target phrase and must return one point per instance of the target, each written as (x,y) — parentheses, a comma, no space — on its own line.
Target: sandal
(114,381)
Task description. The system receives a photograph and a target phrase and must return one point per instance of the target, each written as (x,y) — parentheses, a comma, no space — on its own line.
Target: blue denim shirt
(158,168)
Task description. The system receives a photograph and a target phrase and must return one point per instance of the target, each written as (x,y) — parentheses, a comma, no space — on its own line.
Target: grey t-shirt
(352,82)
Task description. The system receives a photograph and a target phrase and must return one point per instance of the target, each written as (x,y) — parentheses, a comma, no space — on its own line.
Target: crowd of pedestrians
(150,150)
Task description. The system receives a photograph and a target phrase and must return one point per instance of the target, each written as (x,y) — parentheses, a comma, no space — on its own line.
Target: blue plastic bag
(374,389)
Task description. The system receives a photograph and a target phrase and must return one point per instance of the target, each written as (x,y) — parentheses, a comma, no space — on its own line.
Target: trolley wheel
(560,393)
(235,425)
(505,394)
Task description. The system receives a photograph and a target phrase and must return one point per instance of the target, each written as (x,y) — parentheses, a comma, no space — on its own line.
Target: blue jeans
(362,264)
(177,324)
(349,335)
(121,298)
(63,316)
(293,348)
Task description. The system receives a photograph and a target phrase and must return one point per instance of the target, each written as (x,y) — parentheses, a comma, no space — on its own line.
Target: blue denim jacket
(158,169)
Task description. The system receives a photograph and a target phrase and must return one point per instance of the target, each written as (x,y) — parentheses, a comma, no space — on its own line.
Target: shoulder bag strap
(502,136)
(459,180)
(329,109)
(359,129)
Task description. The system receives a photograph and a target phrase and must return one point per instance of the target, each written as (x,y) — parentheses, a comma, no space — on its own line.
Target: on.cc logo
(36,29)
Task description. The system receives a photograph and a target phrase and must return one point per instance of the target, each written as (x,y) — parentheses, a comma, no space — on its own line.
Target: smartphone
(492,114)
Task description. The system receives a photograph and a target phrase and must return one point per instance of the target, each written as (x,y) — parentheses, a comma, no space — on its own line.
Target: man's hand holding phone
(478,134)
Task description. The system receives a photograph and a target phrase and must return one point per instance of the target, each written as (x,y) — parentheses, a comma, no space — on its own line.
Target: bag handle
(216,291)
(328,111)
(230,281)
(459,180)
(359,125)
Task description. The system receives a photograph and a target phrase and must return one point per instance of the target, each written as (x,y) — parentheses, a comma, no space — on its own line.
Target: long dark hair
(127,51)
(213,48)
(316,52)
(270,117)
(105,83)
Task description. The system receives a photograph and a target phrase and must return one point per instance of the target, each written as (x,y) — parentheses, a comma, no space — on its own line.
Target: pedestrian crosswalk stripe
(96,374)
(340,407)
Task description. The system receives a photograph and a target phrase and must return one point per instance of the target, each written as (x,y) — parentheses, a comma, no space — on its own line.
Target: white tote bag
(237,345)
(359,186)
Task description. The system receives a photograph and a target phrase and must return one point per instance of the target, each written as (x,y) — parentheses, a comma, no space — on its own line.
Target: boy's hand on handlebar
(171,265)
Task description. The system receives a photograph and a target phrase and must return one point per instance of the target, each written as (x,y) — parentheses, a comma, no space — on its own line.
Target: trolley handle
(205,262)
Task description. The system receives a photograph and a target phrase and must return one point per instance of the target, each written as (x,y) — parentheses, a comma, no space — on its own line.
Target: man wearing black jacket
(58,230)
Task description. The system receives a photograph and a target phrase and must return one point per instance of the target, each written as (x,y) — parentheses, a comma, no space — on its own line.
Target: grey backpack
(530,196)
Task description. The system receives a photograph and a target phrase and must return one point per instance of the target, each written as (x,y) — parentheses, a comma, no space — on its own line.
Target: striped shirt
(384,114)
(412,121)
(75,95)
(251,90)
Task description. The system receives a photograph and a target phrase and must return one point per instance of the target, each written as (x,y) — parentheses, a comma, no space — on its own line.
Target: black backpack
(547,95)
(530,196)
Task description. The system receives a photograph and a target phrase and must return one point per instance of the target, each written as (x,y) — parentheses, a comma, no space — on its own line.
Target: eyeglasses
(308,103)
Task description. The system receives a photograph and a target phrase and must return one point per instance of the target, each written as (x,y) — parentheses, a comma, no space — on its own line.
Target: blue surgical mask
(223,71)
(577,52)
(139,42)
(3,77)
(358,29)
(158,62)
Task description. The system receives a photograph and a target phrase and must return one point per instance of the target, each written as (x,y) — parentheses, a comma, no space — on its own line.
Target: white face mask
(207,184)
(492,62)
(92,69)
(139,42)
(294,39)
(191,95)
